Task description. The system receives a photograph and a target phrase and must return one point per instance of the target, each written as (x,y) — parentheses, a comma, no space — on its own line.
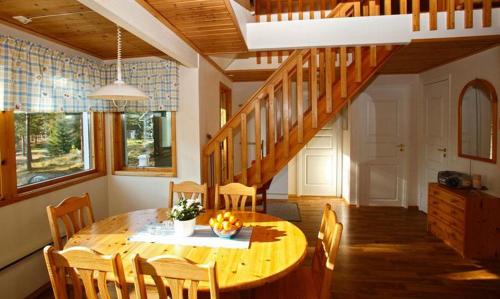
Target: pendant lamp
(118,90)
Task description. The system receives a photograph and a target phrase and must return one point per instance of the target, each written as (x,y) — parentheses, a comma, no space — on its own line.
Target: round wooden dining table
(277,247)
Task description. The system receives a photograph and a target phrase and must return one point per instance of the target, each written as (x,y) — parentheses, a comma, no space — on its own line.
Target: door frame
(422,184)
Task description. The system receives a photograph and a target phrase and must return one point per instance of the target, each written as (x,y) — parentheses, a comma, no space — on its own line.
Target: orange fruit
(238,224)
(226,225)
(227,214)
(233,219)
(220,218)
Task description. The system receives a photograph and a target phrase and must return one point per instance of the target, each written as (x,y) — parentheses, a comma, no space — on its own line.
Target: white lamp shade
(118,91)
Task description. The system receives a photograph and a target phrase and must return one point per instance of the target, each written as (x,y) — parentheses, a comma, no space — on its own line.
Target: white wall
(484,65)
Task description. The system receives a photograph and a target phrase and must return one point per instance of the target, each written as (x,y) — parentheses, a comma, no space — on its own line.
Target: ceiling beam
(138,21)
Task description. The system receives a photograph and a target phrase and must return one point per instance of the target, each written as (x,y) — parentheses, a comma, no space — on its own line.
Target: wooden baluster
(313,66)
(311,9)
(403,9)
(328,79)
(280,18)
(432,14)
(343,72)
(373,49)
(204,167)
(300,99)
(257,56)
(286,112)
(486,13)
(333,3)
(416,14)
(244,148)
(450,16)
(334,63)
(230,156)
(358,63)
(323,6)
(321,71)
(258,153)
(290,8)
(217,162)
(387,7)
(268,19)
(468,11)
(301,10)
(271,126)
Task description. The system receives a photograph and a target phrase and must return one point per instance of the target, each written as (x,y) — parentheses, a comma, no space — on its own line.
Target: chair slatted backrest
(235,196)
(188,190)
(177,272)
(83,265)
(74,212)
(327,246)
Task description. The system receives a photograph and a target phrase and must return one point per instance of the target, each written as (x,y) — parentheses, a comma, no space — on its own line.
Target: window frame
(11,193)
(117,160)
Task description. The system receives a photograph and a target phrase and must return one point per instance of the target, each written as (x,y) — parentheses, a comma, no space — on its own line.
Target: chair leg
(264,201)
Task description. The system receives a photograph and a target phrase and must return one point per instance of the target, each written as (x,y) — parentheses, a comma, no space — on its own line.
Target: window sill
(48,188)
(146,172)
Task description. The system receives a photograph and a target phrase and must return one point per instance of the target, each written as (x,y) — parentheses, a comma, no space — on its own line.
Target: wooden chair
(314,282)
(85,264)
(71,212)
(235,196)
(188,190)
(176,271)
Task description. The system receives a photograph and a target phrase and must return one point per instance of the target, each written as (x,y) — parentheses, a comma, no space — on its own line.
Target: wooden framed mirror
(477,121)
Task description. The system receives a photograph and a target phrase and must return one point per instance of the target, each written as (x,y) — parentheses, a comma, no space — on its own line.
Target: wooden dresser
(465,219)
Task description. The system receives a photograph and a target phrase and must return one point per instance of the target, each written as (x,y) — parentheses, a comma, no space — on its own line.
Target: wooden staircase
(307,91)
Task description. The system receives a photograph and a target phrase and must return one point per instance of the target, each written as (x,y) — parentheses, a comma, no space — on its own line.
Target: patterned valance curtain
(34,78)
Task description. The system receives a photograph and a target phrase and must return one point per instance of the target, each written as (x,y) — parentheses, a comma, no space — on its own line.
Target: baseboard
(45,287)
(277,196)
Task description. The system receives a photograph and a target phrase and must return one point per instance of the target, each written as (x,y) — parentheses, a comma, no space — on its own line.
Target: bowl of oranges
(225,225)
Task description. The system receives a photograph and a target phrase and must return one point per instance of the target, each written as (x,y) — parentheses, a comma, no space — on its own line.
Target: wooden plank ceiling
(85,30)
(208,25)
(423,55)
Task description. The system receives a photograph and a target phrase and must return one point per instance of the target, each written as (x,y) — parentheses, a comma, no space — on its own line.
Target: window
(52,145)
(41,152)
(144,144)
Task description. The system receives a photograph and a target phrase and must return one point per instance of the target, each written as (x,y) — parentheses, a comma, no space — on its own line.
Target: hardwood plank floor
(387,253)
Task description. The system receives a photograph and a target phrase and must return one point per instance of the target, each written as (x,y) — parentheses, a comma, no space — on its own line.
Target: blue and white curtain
(34,78)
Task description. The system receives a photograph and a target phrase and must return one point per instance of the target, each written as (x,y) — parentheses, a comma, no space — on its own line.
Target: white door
(437,100)
(383,148)
(318,163)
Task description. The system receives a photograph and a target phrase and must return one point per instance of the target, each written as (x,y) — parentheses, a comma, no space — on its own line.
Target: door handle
(442,149)
(401,147)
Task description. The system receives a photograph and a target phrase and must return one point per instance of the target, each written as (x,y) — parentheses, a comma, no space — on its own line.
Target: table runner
(203,237)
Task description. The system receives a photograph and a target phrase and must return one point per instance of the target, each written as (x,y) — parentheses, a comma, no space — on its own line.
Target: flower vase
(184,228)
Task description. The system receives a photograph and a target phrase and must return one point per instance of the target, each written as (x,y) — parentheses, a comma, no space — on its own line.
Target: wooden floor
(387,253)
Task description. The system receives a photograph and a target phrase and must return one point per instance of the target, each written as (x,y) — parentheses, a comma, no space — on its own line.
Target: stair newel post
(258,152)
(313,66)
(328,79)
(286,113)
(300,98)
(271,126)
(244,148)
(343,72)
(230,156)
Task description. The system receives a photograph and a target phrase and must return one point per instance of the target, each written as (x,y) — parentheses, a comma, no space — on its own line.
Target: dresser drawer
(446,233)
(449,210)
(448,219)
(450,198)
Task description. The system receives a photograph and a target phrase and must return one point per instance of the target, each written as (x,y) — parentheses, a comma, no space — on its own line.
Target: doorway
(437,117)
